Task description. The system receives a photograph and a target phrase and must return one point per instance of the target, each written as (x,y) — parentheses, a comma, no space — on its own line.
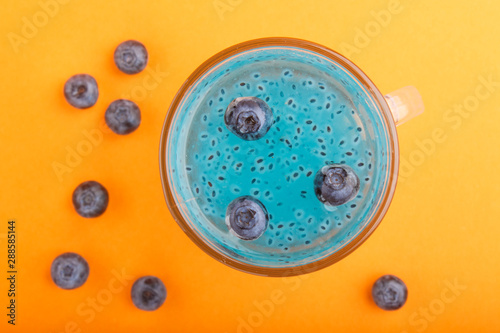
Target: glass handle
(405,104)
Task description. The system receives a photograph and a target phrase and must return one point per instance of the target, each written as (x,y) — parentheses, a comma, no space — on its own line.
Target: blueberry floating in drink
(389,292)
(248,117)
(336,184)
(247,218)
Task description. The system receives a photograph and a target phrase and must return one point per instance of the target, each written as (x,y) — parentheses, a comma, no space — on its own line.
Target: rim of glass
(392,167)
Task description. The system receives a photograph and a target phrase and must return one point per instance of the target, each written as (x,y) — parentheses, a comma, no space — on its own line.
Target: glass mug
(325,110)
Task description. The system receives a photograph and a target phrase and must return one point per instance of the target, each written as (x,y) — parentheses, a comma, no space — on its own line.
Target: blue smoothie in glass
(321,115)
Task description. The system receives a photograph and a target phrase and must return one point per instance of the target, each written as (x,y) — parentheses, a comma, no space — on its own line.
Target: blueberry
(69,271)
(336,184)
(90,199)
(131,57)
(148,293)
(248,118)
(123,116)
(389,292)
(81,91)
(247,218)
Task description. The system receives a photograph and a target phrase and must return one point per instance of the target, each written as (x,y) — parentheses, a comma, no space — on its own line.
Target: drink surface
(321,116)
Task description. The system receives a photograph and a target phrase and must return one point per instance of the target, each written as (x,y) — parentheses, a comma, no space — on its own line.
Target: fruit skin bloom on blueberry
(131,57)
(247,218)
(90,199)
(389,292)
(148,293)
(69,271)
(81,91)
(336,184)
(248,117)
(123,116)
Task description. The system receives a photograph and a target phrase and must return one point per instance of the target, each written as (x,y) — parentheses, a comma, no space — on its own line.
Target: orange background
(441,229)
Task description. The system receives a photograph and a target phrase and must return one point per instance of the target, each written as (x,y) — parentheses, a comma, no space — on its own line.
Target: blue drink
(322,115)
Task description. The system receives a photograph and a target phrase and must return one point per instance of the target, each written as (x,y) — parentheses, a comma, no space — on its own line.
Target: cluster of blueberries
(249,118)
(122,116)
(90,198)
